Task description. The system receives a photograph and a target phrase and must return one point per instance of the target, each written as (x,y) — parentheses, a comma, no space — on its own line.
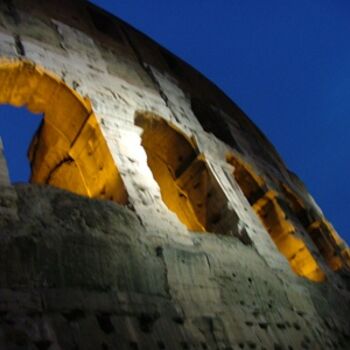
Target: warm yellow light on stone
(69,151)
(169,154)
(322,233)
(284,235)
(186,184)
(267,207)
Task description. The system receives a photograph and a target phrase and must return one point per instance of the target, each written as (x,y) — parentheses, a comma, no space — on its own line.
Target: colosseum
(158,216)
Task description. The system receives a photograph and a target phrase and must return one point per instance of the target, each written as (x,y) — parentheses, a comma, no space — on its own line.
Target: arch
(69,150)
(187,186)
(284,234)
(321,232)
(270,211)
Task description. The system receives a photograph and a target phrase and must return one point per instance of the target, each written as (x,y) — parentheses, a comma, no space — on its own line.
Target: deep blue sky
(285,63)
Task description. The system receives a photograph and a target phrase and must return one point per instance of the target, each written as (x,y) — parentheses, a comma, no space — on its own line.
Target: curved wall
(124,73)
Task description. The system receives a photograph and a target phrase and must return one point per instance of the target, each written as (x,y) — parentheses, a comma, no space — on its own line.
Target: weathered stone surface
(77,273)
(8,198)
(127,121)
(92,76)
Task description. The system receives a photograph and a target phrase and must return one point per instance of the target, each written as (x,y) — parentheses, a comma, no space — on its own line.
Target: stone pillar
(4,175)
(8,195)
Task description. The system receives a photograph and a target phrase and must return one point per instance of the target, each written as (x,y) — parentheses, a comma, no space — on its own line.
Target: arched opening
(321,232)
(270,211)
(187,186)
(252,185)
(69,150)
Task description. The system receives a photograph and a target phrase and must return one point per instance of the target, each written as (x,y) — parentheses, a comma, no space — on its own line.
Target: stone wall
(122,73)
(84,274)
(77,273)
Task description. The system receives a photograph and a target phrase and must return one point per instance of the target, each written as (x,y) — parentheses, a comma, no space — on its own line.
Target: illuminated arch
(69,150)
(270,211)
(187,186)
(321,232)
(282,231)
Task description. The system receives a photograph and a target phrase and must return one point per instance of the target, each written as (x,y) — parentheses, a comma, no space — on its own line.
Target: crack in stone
(56,167)
(19,46)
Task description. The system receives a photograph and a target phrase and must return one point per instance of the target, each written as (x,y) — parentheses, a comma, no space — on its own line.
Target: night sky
(285,63)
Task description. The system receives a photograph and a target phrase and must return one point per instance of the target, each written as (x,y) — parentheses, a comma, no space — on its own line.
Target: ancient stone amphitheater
(158,216)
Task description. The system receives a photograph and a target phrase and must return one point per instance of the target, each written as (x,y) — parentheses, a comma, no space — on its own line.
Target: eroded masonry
(201,238)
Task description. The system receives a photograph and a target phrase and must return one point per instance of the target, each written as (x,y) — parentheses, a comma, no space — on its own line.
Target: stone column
(4,175)
(8,195)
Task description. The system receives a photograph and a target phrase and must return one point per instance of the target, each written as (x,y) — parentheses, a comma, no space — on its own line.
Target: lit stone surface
(125,121)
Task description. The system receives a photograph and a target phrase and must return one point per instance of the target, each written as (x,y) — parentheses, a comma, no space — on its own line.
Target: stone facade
(125,121)
(78,273)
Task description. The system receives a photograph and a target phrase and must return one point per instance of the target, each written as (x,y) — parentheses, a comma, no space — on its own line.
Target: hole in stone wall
(212,122)
(187,186)
(173,62)
(146,322)
(134,345)
(270,211)
(74,315)
(105,322)
(69,150)
(105,23)
(161,345)
(43,344)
